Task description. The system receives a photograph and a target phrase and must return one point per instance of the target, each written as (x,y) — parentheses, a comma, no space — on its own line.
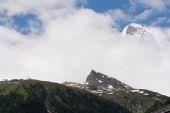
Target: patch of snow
(157,99)
(139,91)
(95,91)
(135,90)
(100,81)
(110,87)
(110,93)
(145,94)
(70,84)
(100,90)
(78,86)
(142,92)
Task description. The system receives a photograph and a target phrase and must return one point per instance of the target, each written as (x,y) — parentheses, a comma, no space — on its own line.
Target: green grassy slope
(158,106)
(136,102)
(31,96)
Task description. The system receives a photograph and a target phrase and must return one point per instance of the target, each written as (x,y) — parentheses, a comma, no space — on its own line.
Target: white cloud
(144,15)
(160,20)
(155,4)
(117,15)
(158,4)
(74,42)
(120,16)
(24,6)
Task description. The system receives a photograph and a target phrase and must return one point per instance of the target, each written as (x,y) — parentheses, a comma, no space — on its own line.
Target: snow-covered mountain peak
(138,31)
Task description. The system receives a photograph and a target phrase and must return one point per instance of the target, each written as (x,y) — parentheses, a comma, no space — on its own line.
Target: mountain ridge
(135,100)
(94,96)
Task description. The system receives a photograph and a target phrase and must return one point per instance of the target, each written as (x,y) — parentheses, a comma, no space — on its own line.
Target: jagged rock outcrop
(99,81)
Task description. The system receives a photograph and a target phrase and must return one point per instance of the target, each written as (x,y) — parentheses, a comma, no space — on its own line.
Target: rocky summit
(101,82)
(137,31)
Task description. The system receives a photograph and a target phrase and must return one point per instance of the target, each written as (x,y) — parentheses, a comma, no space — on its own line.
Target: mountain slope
(160,107)
(31,96)
(136,100)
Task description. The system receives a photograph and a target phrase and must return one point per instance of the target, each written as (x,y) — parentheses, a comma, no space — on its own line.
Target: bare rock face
(99,81)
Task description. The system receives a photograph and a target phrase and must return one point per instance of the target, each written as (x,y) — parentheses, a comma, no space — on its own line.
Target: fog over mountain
(65,41)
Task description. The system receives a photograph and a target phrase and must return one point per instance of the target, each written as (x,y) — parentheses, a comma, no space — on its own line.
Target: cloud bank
(76,40)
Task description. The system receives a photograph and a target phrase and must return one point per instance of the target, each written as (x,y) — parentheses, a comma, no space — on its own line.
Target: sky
(63,40)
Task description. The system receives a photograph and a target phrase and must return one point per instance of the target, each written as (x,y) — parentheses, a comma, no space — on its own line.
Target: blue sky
(22,22)
(104,5)
(125,5)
